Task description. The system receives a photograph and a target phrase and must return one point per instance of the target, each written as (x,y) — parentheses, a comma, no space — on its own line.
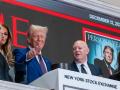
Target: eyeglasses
(3,34)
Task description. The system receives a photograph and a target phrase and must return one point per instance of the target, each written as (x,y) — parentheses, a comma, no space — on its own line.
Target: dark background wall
(65,23)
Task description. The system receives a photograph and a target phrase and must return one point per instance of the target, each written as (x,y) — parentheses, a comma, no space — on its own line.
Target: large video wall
(66,24)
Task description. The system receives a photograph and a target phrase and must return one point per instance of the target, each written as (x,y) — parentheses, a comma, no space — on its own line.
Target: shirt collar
(85,63)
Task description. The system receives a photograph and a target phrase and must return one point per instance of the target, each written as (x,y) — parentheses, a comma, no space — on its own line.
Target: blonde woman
(6,60)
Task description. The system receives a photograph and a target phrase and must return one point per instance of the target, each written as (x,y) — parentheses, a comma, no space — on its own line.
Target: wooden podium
(61,79)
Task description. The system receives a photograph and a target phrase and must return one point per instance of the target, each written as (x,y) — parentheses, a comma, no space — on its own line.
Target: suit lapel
(92,69)
(74,67)
(89,65)
(106,70)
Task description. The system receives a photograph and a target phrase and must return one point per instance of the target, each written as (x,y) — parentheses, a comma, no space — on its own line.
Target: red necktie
(42,65)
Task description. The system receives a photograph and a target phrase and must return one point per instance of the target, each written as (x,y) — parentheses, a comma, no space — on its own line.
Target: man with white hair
(29,61)
(80,62)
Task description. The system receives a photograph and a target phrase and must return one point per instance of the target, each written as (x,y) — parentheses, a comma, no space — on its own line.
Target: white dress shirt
(86,67)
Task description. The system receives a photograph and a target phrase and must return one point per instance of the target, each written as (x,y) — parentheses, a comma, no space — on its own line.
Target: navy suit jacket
(94,69)
(30,68)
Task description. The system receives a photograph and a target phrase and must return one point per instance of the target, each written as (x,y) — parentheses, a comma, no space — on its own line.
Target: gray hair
(37,28)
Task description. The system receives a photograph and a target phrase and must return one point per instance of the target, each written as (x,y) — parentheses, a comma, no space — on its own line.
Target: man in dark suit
(80,64)
(30,63)
(104,64)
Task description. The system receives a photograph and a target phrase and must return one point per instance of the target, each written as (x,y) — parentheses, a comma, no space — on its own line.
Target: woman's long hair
(6,48)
